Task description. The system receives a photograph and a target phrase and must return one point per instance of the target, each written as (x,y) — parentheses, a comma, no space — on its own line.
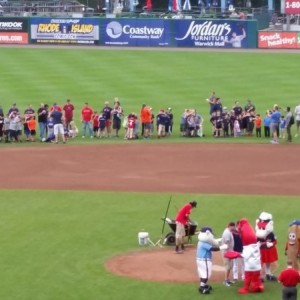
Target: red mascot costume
(251,256)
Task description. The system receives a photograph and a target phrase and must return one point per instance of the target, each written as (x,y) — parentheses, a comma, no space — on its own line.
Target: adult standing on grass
(297,117)
(182,219)
(107,114)
(42,121)
(289,278)
(288,124)
(58,120)
(227,239)
(86,119)
(68,109)
(117,114)
(274,124)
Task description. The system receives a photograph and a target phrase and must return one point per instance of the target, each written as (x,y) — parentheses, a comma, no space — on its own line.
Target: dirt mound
(162,265)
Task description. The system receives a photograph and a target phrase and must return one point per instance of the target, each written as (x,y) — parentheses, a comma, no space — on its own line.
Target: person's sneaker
(226,283)
(178,251)
(296,135)
(83,136)
(92,136)
(271,277)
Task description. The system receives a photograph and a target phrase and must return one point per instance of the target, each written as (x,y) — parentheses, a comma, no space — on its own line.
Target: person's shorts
(32,132)
(204,268)
(182,127)
(108,123)
(58,129)
(298,123)
(227,263)
(273,127)
(117,124)
(95,128)
(180,230)
(147,126)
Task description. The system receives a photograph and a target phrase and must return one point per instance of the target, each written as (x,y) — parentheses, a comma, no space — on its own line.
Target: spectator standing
(86,119)
(171,117)
(102,122)
(42,121)
(249,107)
(107,114)
(297,118)
(58,128)
(282,128)
(13,109)
(131,126)
(31,123)
(258,125)
(117,113)
(227,238)
(289,278)
(237,109)
(147,119)
(1,124)
(267,122)
(274,124)
(182,219)
(161,123)
(68,109)
(28,114)
(95,120)
(288,124)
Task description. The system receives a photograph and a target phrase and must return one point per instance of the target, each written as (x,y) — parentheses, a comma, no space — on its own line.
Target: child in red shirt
(289,278)
(258,125)
(95,118)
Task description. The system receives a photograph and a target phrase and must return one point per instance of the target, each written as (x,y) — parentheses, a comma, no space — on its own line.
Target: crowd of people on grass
(51,122)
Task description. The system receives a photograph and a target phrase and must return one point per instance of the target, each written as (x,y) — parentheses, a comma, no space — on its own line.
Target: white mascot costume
(265,235)
(206,244)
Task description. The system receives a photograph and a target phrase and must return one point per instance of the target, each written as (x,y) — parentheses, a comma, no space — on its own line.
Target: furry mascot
(292,248)
(266,237)
(251,256)
(206,244)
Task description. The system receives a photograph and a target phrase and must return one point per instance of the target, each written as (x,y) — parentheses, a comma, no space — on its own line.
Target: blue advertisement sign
(219,33)
(135,32)
(64,31)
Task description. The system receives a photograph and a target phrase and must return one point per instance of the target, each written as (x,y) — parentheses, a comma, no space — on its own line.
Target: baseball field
(68,211)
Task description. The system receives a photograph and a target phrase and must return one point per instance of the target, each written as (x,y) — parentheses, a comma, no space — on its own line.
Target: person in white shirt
(297,119)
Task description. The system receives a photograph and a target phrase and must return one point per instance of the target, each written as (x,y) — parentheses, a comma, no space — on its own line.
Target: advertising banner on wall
(212,33)
(64,31)
(135,32)
(13,31)
(278,40)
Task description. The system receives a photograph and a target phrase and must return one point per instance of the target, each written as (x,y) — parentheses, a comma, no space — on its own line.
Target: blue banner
(219,33)
(64,31)
(135,32)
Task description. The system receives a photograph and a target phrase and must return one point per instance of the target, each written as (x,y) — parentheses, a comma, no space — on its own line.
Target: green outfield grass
(54,244)
(161,79)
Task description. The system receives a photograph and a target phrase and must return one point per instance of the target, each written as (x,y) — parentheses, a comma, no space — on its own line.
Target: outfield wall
(200,33)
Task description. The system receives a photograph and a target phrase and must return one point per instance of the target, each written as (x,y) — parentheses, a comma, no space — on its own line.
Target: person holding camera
(275,116)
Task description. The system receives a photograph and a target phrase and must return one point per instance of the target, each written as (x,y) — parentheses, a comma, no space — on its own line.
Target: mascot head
(264,225)
(246,232)
(206,235)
